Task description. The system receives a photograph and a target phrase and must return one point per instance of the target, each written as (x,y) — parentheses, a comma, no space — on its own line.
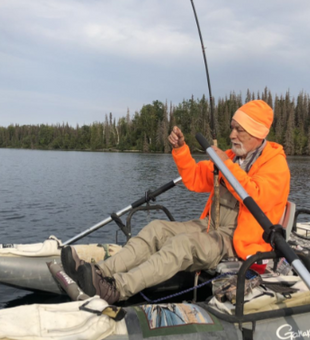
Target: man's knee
(157,232)
(154,223)
(154,227)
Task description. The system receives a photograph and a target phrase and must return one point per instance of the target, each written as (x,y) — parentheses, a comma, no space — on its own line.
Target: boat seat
(287,219)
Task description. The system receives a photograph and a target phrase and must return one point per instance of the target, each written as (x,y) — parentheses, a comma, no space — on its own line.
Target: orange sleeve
(196,177)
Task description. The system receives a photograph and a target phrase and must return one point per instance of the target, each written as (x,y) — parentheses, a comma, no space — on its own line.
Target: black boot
(93,283)
(71,262)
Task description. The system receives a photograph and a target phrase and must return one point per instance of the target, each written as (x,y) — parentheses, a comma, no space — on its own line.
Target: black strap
(247,334)
(117,220)
(269,234)
(281,288)
(114,312)
(149,196)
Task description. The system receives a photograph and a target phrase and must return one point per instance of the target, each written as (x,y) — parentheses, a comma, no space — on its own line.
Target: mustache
(237,143)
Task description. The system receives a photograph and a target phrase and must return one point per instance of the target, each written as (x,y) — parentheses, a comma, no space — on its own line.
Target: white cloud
(97,26)
(114,54)
(138,29)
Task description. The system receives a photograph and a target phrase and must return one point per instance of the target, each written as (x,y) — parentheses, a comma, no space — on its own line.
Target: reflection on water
(45,193)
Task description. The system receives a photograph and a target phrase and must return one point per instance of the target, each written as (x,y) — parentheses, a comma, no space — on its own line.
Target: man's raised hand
(176,138)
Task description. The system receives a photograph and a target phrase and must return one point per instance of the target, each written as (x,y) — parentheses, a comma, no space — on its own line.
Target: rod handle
(202,141)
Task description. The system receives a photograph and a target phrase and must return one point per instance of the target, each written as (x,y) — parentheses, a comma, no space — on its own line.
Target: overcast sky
(76,60)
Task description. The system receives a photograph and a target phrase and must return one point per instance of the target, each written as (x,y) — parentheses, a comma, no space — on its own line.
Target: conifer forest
(147,130)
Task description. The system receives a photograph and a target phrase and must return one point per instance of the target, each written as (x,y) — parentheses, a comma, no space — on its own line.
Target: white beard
(239,151)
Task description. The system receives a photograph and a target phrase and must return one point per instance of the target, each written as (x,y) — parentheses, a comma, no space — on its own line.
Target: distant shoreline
(194,152)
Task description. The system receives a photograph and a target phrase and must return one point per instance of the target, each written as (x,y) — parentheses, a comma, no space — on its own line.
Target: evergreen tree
(148,130)
(290,128)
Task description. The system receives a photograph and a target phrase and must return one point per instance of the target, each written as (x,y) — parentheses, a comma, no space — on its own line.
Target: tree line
(147,130)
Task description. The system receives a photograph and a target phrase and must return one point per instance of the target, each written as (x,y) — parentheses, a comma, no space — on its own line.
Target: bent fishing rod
(272,233)
(216,172)
(145,199)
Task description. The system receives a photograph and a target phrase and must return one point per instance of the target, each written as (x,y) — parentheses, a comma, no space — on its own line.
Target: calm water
(45,193)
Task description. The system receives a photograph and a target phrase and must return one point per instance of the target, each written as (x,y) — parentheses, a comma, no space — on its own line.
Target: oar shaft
(224,170)
(135,204)
(96,226)
(260,216)
(157,192)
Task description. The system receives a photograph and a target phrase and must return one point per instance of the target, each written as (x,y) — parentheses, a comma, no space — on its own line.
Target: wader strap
(247,334)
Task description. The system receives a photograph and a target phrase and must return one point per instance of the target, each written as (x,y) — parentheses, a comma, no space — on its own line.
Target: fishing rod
(145,199)
(272,233)
(216,171)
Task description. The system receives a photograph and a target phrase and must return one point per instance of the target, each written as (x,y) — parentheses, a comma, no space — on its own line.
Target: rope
(186,290)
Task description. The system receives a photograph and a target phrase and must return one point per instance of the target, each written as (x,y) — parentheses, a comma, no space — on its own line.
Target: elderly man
(163,248)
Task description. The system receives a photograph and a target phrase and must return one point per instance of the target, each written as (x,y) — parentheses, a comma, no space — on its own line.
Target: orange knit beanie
(255,117)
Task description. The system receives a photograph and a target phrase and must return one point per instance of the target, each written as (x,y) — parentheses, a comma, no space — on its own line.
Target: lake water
(45,193)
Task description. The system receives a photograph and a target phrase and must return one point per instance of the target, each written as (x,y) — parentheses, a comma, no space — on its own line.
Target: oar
(274,235)
(142,200)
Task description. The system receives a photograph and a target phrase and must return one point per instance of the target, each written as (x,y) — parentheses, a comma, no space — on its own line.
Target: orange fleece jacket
(267,182)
